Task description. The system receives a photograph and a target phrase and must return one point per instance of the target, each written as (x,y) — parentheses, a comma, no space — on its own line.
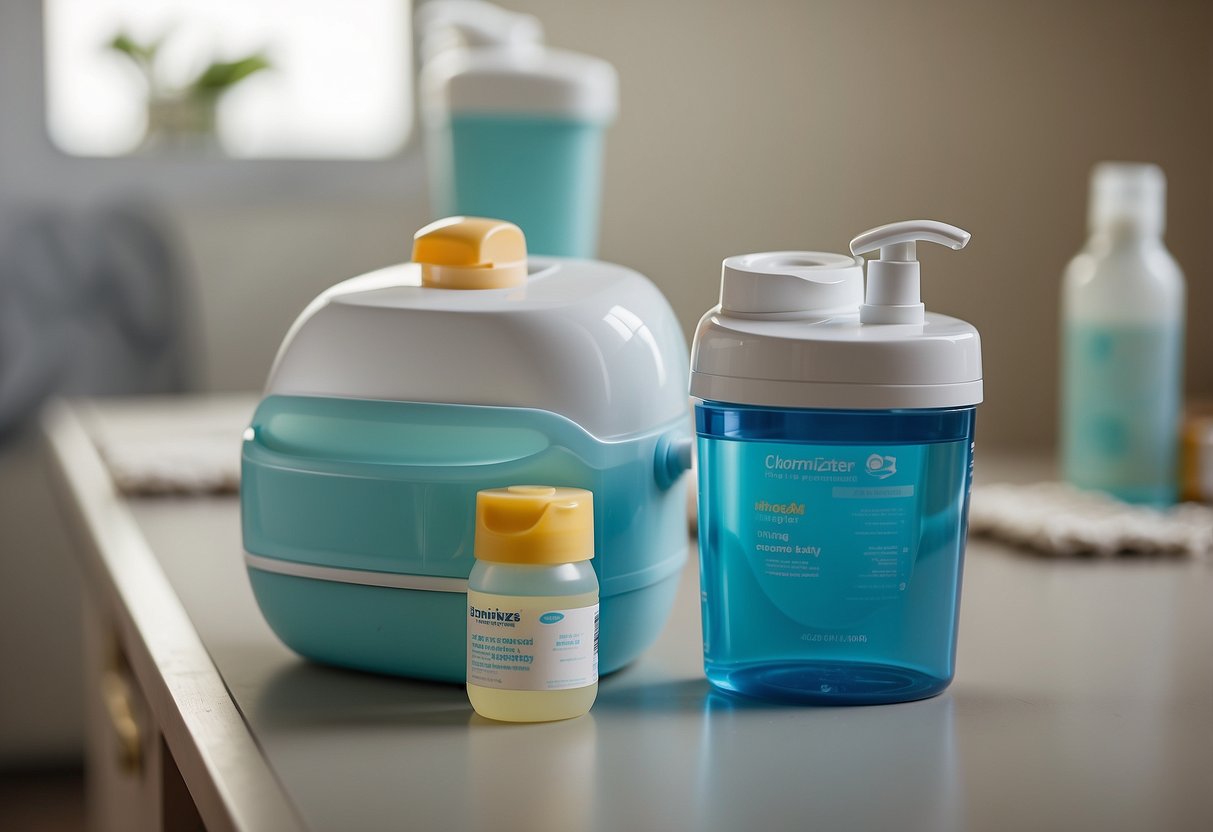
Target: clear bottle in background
(1122,343)
(532,651)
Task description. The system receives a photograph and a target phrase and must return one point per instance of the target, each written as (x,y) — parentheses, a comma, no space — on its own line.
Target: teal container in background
(514,128)
(543,174)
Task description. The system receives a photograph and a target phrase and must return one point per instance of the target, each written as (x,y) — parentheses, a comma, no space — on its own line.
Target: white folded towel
(167,445)
(1058,519)
(191,464)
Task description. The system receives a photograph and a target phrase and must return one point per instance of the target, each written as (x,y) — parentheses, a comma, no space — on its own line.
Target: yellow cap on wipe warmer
(470,253)
(534,524)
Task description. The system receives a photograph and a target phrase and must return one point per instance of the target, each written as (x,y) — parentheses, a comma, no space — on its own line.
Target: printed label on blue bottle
(830,531)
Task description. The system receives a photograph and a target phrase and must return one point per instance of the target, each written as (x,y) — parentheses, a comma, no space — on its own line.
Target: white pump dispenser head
(893,292)
(449,24)
(791,330)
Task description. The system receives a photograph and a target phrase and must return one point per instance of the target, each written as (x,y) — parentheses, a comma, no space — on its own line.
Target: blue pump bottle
(835,441)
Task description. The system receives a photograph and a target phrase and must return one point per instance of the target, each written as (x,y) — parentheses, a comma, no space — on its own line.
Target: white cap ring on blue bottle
(794,329)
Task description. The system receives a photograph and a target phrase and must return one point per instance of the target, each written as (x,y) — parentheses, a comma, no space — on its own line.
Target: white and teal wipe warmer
(399,394)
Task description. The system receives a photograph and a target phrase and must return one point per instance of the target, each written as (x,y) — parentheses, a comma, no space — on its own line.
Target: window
(320,79)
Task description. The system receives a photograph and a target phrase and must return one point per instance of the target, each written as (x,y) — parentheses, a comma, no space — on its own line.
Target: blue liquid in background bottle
(1121,410)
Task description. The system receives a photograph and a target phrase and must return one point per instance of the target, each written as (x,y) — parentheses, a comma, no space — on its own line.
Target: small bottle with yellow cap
(532,652)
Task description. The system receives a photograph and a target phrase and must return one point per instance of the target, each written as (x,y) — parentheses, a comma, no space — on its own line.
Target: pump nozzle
(444,24)
(893,293)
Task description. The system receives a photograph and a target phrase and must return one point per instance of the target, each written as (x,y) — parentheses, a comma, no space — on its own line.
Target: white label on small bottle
(521,643)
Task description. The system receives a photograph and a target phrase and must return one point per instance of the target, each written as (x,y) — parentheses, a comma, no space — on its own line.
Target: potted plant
(184,116)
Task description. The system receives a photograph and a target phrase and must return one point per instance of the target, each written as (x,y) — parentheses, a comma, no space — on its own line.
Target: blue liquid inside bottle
(831,548)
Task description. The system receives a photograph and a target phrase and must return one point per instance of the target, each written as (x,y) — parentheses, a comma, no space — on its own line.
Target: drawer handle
(116,694)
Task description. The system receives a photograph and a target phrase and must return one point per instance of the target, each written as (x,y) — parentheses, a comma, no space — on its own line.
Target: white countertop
(1083,700)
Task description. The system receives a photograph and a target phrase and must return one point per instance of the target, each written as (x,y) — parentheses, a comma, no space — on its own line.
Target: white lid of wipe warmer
(490,61)
(594,342)
(794,329)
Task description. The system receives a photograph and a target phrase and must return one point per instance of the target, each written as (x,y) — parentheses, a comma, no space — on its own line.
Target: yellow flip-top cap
(534,524)
(470,253)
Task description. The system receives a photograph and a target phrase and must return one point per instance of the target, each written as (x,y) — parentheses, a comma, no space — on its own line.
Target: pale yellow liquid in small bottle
(537,705)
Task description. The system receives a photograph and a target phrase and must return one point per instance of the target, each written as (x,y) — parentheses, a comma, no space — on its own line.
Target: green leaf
(222,75)
(139,53)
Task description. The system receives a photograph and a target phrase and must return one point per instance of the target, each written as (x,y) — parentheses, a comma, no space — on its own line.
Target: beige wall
(749,126)
(258,266)
(764,125)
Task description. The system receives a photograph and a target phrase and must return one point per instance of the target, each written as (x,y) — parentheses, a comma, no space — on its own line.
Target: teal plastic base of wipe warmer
(376,628)
(358,521)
